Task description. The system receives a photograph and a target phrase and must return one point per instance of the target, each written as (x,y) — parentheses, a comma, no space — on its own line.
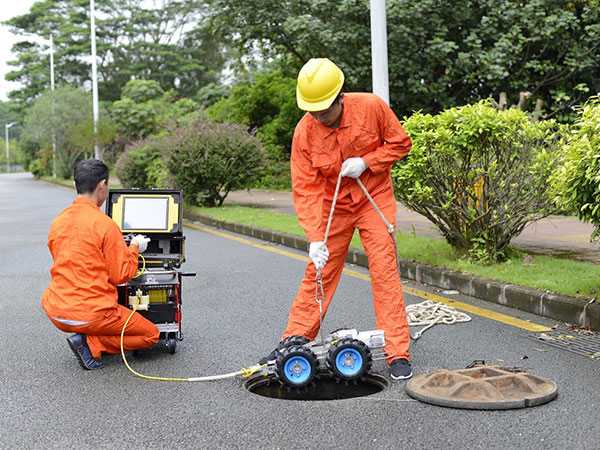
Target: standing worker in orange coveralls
(90,259)
(359,135)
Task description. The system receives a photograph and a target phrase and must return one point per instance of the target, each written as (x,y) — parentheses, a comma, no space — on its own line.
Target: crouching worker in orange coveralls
(359,135)
(90,260)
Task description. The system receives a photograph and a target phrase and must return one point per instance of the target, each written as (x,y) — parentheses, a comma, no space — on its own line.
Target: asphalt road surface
(233,313)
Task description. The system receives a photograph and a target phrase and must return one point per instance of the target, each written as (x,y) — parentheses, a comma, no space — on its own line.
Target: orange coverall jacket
(368,129)
(90,260)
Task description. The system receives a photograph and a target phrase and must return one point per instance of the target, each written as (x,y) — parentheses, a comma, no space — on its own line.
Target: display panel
(145,213)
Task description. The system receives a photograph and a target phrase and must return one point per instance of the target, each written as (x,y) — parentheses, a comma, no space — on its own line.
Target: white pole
(6,127)
(7,155)
(94,80)
(52,90)
(379,53)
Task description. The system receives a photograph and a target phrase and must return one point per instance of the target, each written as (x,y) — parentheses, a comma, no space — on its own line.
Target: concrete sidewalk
(556,235)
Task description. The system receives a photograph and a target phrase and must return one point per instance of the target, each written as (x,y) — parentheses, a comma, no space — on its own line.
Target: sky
(9,9)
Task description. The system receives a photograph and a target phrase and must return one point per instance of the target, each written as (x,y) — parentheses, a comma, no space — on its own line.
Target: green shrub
(42,165)
(479,174)
(135,120)
(132,166)
(140,91)
(208,160)
(267,104)
(211,93)
(157,174)
(576,182)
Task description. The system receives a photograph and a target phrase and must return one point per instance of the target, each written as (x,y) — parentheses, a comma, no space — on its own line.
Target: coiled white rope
(430,313)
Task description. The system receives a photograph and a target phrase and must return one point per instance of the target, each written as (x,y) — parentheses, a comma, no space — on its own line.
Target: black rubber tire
(292,352)
(292,340)
(171,343)
(356,346)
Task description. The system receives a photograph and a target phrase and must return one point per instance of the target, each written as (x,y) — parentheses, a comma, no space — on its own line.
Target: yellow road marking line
(503,318)
(247,242)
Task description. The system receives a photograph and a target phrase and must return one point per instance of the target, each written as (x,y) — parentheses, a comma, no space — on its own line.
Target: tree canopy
(441,54)
(167,43)
(52,118)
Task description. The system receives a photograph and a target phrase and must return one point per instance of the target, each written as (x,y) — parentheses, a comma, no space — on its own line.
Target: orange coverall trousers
(379,246)
(104,335)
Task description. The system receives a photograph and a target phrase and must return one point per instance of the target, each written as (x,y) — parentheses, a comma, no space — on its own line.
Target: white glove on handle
(318,254)
(141,242)
(353,167)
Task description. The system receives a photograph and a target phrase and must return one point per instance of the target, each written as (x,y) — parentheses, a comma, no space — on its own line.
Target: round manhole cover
(482,387)
(325,388)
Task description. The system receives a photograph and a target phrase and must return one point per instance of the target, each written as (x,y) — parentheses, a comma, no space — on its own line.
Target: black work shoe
(400,369)
(270,357)
(78,344)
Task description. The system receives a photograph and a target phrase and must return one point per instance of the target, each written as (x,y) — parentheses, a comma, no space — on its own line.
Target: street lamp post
(52,90)
(379,50)
(6,127)
(94,79)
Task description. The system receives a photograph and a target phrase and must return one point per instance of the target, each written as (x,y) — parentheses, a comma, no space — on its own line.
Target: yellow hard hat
(319,83)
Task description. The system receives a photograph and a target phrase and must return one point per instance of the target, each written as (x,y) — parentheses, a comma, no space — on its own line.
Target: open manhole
(482,387)
(325,388)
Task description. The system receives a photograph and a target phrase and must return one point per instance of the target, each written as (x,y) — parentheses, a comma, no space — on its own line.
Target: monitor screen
(145,213)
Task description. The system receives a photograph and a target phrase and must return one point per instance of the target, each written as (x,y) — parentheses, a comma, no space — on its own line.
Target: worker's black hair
(88,174)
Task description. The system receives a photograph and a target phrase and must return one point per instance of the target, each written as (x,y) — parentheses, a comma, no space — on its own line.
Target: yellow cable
(125,359)
(244,372)
(142,269)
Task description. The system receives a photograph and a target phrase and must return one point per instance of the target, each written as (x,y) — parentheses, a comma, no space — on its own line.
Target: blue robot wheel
(349,359)
(349,362)
(297,369)
(296,366)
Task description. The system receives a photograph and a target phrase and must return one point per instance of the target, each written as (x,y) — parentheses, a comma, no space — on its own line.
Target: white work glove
(141,242)
(353,167)
(318,254)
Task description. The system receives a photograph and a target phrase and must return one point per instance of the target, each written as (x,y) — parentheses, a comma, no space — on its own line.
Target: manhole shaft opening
(324,388)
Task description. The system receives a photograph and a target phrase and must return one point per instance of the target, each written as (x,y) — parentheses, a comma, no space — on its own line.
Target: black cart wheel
(296,366)
(171,343)
(349,359)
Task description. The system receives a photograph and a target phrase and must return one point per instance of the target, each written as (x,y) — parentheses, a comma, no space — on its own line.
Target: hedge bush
(134,163)
(479,174)
(208,160)
(576,182)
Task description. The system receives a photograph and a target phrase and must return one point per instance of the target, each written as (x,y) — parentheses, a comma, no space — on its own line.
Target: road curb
(585,313)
